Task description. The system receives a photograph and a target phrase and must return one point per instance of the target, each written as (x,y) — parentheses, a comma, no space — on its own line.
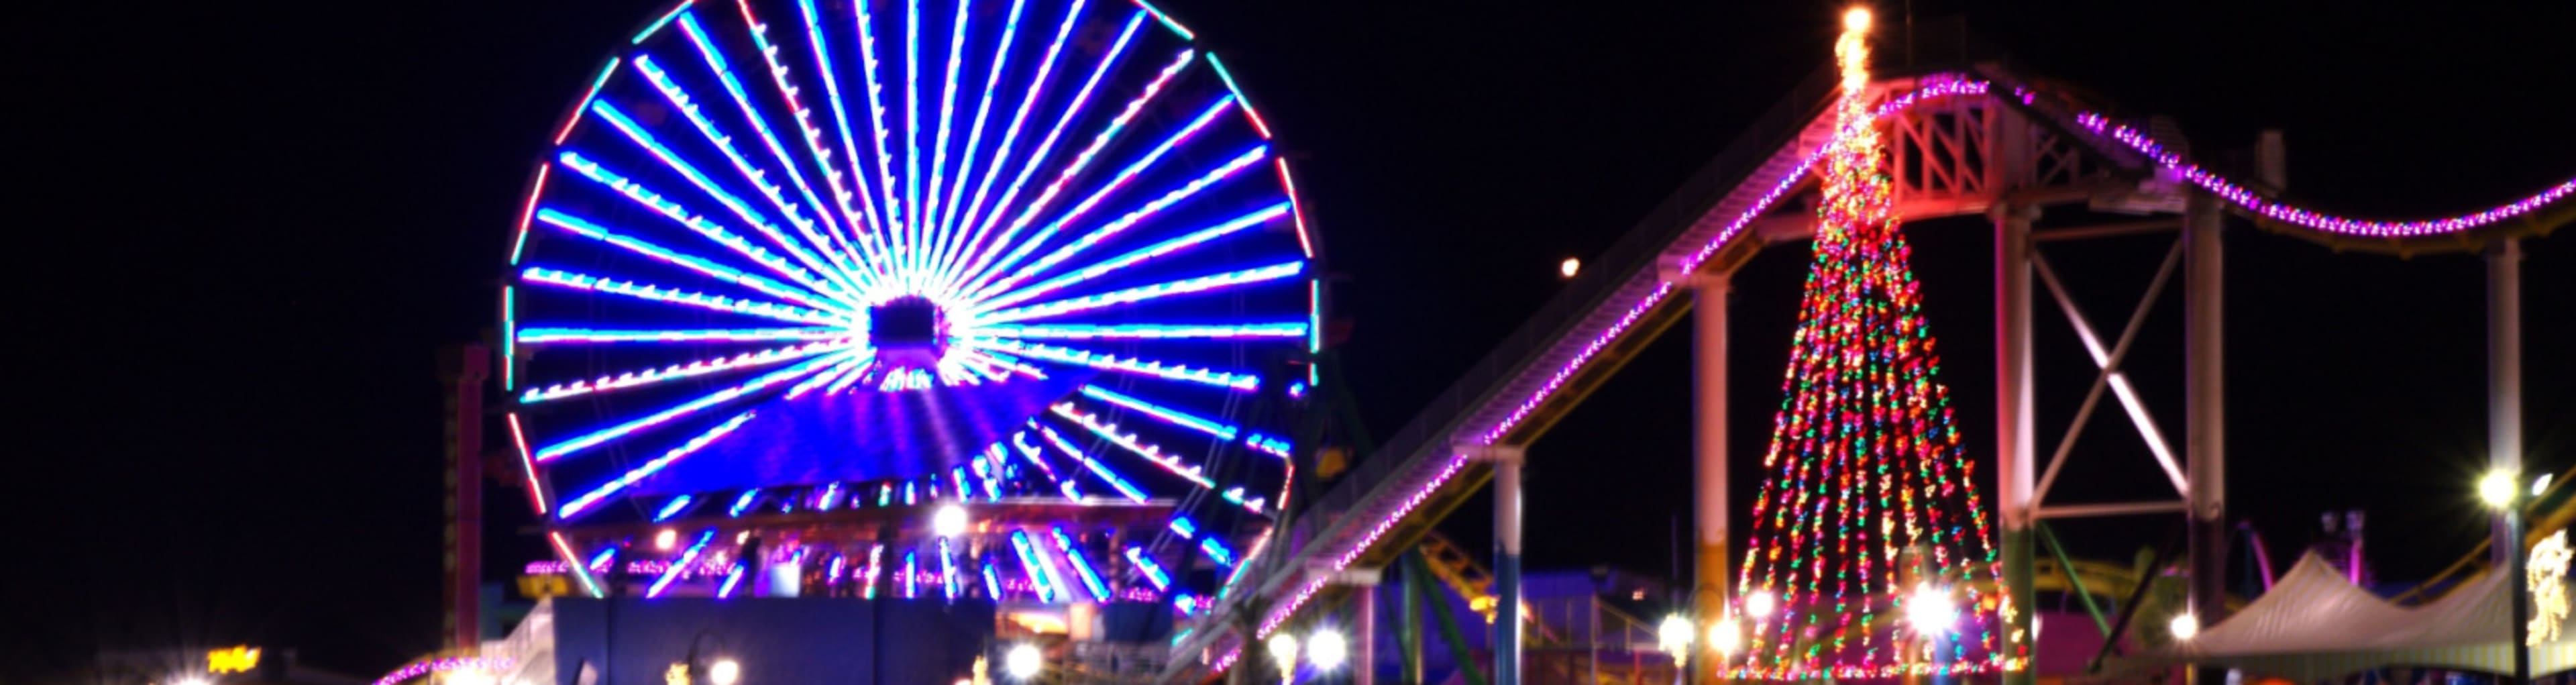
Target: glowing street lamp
(2499,490)
(1857,19)
(1326,649)
(1675,638)
(1569,267)
(949,521)
(1283,649)
(1930,610)
(1023,662)
(2185,627)
(1759,604)
(1726,637)
(190,680)
(725,672)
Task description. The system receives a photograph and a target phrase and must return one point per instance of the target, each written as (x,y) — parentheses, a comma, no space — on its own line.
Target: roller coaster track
(1720,217)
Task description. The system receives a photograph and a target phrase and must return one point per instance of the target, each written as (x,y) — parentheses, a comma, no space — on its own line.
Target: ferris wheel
(808,256)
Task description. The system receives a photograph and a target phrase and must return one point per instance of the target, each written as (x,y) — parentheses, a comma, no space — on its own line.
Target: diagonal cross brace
(2110,377)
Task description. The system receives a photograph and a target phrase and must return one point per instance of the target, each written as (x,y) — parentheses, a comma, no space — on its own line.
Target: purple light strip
(1142,293)
(1046,145)
(1082,160)
(578,504)
(1096,236)
(446,665)
(567,447)
(655,293)
(1115,482)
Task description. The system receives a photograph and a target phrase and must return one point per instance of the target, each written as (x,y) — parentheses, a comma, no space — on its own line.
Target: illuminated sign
(239,659)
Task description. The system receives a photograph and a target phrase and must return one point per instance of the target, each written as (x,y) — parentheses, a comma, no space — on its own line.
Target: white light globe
(1726,637)
(1023,662)
(725,672)
(1760,604)
(2185,627)
(1283,648)
(949,521)
(2496,489)
(1675,633)
(471,676)
(1326,649)
(1930,610)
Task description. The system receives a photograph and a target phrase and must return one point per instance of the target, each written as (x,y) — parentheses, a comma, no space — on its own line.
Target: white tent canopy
(2315,624)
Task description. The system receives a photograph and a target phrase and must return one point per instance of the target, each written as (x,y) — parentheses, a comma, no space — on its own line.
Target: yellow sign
(541,587)
(239,659)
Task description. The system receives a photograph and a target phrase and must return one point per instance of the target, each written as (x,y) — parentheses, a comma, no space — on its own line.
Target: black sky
(243,230)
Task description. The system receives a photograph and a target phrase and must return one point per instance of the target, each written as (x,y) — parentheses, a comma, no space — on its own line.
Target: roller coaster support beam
(1364,583)
(2504,379)
(1708,395)
(2205,408)
(1506,461)
(2014,441)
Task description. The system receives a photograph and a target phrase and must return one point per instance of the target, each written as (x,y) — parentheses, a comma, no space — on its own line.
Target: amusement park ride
(1011,304)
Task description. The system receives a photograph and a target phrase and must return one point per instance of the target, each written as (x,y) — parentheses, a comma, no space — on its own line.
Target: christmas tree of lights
(1871,555)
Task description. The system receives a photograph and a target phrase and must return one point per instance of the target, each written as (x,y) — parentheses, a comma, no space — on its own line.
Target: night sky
(251,226)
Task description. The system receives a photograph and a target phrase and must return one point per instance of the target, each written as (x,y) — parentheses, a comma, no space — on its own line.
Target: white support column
(1708,397)
(1363,662)
(2205,402)
(2504,380)
(1507,561)
(2015,447)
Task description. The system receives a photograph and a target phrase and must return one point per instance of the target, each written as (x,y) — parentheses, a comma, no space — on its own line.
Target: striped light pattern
(750,204)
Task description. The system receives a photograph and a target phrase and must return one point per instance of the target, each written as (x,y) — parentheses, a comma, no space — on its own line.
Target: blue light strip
(657,24)
(1145,331)
(1268,444)
(1192,239)
(966,166)
(1097,468)
(822,156)
(677,505)
(1237,164)
(542,335)
(992,586)
(1110,432)
(911,575)
(909,234)
(635,132)
(1142,293)
(1217,551)
(1188,605)
(1182,525)
(569,509)
(1033,566)
(1130,365)
(692,369)
(509,346)
(1002,154)
(891,217)
(839,266)
(656,293)
(876,569)
(1030,452)
(1081,566)
(558,450)
(947,569)
(1045,146)
(1167,21)
(743,503)
(947,116)
(1116,182)
(733,578)
(601,558)
(841,119)
(640,195)
(681,566)
(1258,125)
(1153,571)
(1082,160)
(1166,414)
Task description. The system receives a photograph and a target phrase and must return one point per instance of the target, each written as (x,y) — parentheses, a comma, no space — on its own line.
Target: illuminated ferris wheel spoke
(1232,166)
(909,254)
(595,438)
(639,194)
(1106,474)
(947,116)
(541,335)
(1020,441)
(850,377)
(1116,182)
(1095,270)
(966,163)
(693,369)
(1109,431)
(1082,160)
(585,228)
(985,248)
(1221,430)
(680,99)
(1199,284)
(716,64)
(635,132)
(656,293)
(639,473)
(851,366)
(1147,331)
(970,227)
(1137,366)
(875,233)
(892,213)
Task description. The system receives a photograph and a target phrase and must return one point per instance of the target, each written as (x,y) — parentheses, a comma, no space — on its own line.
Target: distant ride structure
(956,300)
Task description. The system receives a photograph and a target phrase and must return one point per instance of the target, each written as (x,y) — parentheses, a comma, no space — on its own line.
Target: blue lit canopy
(961,248)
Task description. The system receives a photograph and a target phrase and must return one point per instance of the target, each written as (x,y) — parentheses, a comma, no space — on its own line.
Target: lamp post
(1675,637)
(2500,490)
